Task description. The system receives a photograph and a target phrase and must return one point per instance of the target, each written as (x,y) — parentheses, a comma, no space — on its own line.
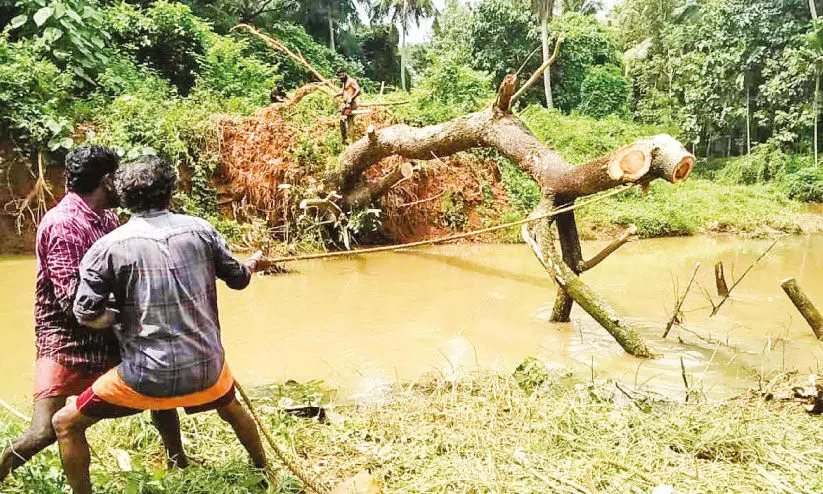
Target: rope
(298,472)
(387,248)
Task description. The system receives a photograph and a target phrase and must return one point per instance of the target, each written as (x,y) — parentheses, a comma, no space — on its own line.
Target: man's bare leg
(70,426)
(246,431)
(168,424)
(39,436)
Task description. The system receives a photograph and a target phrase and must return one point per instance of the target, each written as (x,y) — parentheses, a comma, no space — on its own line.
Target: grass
(531,431)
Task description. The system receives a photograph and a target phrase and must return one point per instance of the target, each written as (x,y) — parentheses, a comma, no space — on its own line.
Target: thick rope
(284,458)
(387,248)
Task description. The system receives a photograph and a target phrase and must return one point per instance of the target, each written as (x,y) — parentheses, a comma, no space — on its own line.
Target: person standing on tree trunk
(350,92)
(69,356)
(162,270)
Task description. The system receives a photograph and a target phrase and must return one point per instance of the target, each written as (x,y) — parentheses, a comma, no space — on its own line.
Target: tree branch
(539,72)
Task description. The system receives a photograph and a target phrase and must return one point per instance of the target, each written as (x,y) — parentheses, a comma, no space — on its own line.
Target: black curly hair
(87,165)
(145,183)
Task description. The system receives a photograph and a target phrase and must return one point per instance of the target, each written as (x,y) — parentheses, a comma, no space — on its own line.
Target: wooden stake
(616,244)
(685,379)
(680,302)
(720,280)
(737,282)
(804,306)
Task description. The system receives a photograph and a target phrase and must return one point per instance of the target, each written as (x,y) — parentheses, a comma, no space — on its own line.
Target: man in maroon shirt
(70,357)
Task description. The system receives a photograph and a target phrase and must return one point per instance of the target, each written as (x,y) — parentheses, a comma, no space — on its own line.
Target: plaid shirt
(65,233)
(162,269)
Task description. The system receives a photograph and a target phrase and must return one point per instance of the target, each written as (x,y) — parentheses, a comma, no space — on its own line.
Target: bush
(605,91)
(447,90)
(229,70)
(34,94)
(805,184)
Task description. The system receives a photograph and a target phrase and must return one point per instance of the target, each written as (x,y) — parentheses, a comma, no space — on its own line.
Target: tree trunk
(331,33)
(573,257)
(748,122)
(804,305)
(547,74)
(403,56)
(813,9)
(560,183)
(816,106)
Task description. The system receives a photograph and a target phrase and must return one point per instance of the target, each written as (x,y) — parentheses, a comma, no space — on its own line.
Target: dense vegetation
(737,81)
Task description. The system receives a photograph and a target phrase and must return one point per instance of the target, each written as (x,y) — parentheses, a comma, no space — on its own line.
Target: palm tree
(403,11)
(544,10)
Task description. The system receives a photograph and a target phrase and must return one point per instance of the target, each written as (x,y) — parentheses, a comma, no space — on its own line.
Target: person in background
(69,356)
(350,92)
(162,270)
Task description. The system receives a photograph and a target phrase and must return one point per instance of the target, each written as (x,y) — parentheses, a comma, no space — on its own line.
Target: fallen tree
(560,183)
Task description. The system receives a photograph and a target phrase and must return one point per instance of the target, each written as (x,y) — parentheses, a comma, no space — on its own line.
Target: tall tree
(403,12)
(544,10)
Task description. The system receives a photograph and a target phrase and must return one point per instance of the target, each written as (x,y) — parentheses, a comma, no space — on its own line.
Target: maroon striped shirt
(66,232)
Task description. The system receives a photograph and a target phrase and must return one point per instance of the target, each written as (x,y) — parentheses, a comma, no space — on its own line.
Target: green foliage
(531,374)
(447,90)
(521,189)
(34,94)
(586,44)
(580,138)
(454,210)
(165,36)
(71,31)
(502,38)
(805,184)
(696,205)
(229,70)
(605,91)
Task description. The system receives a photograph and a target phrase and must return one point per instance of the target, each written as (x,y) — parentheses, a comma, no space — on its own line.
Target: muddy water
(362,323)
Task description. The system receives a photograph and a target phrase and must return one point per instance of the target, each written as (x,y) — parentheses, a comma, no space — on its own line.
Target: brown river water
(359,324)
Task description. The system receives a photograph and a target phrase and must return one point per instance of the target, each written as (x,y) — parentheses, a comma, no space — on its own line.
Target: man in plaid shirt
(162,270)
(70,356)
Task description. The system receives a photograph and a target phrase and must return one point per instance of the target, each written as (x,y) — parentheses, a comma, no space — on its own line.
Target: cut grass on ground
(488,432)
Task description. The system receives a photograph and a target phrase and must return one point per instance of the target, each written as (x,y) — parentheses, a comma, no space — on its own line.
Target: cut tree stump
(804,306)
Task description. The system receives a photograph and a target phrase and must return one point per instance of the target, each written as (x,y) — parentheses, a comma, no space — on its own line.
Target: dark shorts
(91,405)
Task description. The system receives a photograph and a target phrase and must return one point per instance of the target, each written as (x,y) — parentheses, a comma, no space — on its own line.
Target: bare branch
(539,72)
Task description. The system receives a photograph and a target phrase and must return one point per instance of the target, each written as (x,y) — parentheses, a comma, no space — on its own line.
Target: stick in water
(680,302)
(737,282)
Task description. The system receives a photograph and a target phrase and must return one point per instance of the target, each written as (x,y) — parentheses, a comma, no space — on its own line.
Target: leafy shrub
(165,36)
(227,69)
(454,210)
(586,44)
(764,164)
(447,90)
(34,94)
(70,31)
(805,184)
(605,91)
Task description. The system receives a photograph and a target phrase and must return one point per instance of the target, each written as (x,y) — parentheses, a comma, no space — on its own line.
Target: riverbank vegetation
(533,430)
(170,78)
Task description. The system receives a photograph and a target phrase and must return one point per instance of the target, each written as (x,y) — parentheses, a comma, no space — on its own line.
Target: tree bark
(403,55)
(331,32)
(573,257)
(748,122)
(816,106)
(804,305)
(813,9)
(547,74)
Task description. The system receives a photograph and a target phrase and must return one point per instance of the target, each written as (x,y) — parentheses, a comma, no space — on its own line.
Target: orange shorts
(111,397)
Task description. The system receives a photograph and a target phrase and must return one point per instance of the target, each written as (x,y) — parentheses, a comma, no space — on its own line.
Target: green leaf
(42,15)
(18,21)
(52,34)
(67,142)
(74,15)
(54,126)
(59,10)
